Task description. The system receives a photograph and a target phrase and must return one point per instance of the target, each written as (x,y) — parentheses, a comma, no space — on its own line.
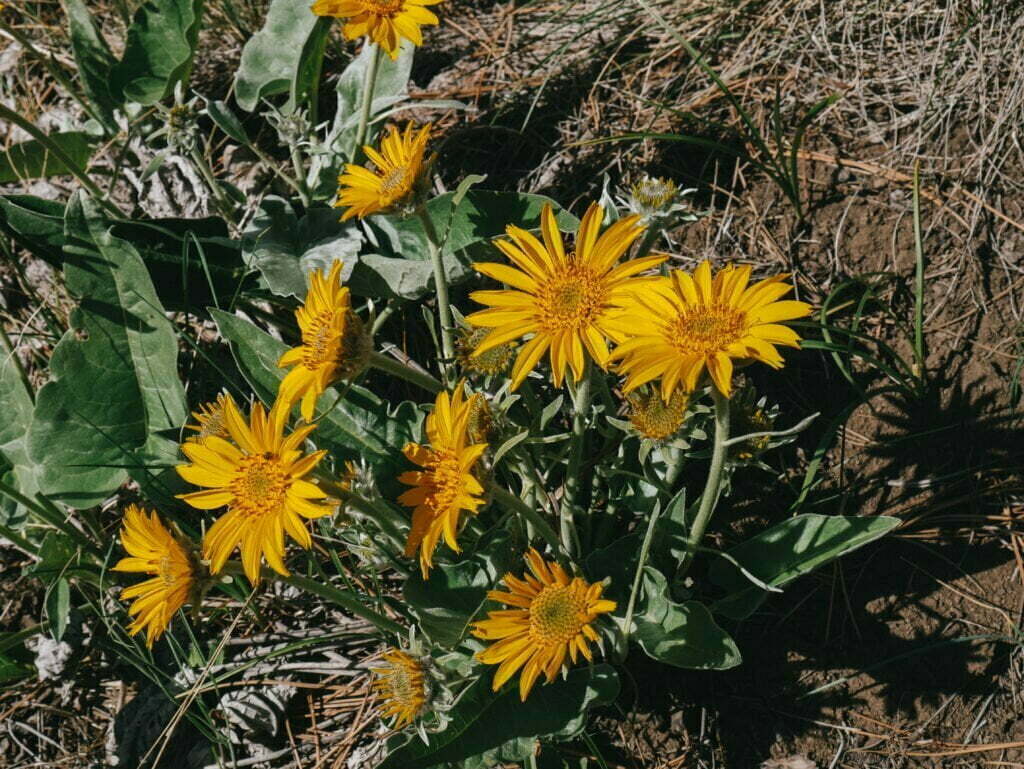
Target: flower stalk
(444,308)
(573,481)
(401,370)
(366,107)
(713,484)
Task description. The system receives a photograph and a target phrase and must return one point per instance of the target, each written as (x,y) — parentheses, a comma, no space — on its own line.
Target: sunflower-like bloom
(401,687)
(210,419)
(385,21)
(334,343)
(259,476)
(154,550)
(551,619)
(399,168)
(680,325)
(562,299)
(446,485)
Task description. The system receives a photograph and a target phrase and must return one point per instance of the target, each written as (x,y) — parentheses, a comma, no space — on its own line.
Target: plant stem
(918,276)
(211,181)
(366,107)
(511,501)
(419,378)
(645,549)
(300,176)
(573,482)
(444,308)
(709,498)
(53,148)
(343,598)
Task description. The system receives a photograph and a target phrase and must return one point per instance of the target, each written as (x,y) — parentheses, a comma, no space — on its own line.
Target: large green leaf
(483,721)
(158,53)
(788,550)
(286,248)
(359,426)
(277,58)
(114,404)
(33,160)
(684,635)
(16,406)
(35,224)
(445,603)
(94,60)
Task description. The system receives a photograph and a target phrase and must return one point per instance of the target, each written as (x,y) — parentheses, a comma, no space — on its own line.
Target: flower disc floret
(679,326)
(398,170)
(560,299)
(259,475)
(154,550)
(334,345)
(446,485)
(551,620)
(386,22)
(401,687)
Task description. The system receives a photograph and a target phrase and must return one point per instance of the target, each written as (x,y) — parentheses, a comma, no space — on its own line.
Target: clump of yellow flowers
(564,312)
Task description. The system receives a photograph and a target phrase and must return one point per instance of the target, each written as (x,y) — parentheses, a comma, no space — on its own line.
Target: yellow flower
(154,550)
(260,478)
(399,166)
(552,619)
(385,21)
(334,343)
(401,687)
(654,418)
(446,485)
(210,419)
(563,299)
(680,325)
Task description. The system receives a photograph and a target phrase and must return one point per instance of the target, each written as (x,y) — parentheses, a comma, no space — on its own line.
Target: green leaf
(94,60)
(35,224)
(483,721)
(159,49)
(445,604)
(226,121)
(12,670)
(32,160)
(788,550)
(358,426)
(684,635)
(114,404)
(285,248)
(16,406)
(277,56)
(58,607)
(55,555)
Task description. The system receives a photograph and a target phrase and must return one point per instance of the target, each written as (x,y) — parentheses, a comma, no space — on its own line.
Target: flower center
(571,300)
(654,194)
(706,329)
(394,185)
(383,7)
(445,480)
(555,615)
(321,341)
(654,418)
(260,485)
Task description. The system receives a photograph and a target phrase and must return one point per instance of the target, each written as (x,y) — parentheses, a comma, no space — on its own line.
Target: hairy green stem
(444,307)
(63,157)
(709,498)
(414,376)
(510,501)
(645,550)
(573,481)
(366,107)
(300,176)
